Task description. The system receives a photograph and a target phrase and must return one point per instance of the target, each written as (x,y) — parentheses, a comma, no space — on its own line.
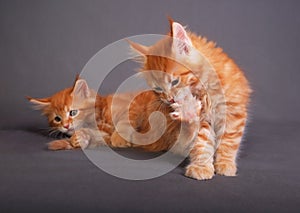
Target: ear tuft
(76,79)
(182,44)
(171,21)
(28,98)
(81,89)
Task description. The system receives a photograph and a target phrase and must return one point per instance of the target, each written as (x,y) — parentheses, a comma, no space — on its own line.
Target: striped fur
(201,65)
(122,120)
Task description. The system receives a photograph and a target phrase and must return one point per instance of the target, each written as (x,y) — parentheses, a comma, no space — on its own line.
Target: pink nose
(66,126)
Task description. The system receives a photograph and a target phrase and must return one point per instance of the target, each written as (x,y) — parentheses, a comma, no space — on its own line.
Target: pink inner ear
(180,35)
(81,89)
(182,42)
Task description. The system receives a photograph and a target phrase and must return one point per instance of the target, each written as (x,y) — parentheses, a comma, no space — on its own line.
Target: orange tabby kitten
(186,59)
(76,109)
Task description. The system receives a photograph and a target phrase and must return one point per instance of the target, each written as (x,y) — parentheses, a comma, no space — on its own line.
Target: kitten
(181,131)
(186,59)
(100,120)
(74,109)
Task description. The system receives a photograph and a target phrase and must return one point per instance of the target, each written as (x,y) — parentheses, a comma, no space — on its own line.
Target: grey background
(43,44)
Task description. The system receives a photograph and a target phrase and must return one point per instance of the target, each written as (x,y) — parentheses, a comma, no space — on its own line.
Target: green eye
(73,112)
(57,119)
(158,89)
(175,82)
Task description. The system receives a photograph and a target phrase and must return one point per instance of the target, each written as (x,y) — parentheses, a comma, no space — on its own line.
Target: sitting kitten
(100,120)
(186,59)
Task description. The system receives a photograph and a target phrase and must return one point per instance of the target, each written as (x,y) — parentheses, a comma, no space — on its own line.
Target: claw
(175,115)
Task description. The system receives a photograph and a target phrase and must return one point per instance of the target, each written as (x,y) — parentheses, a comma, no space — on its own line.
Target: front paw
(175,115)
(59,145)
(187,112)
(80,139)
(226,168)
(197,172)
(118,141)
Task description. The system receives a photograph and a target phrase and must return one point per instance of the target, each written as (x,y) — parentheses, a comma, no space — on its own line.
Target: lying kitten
(102,120)
(74,109)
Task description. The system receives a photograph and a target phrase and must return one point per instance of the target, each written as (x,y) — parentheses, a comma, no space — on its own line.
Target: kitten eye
(175,82)
(57,119)
(158,89)
(73,112)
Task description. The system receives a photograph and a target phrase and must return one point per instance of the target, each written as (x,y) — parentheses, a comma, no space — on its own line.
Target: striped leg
(117,141)
(62,144)
(225,156)
(201,156)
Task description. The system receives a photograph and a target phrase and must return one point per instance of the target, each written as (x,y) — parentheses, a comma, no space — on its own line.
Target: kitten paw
(226,169)
(175,115)
(80,139)
(188,112)
(205,172)
(187,108)
(59,145)
(118,141)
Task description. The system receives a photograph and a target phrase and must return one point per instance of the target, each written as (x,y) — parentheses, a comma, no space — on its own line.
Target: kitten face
(61,117)
(168,78)
(167,59)
(66,110)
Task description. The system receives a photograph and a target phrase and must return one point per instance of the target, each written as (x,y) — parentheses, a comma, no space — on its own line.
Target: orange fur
(110,113)
(198,63)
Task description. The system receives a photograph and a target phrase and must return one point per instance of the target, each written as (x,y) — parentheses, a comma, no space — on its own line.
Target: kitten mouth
(168,102)
(69,131)
(171,101)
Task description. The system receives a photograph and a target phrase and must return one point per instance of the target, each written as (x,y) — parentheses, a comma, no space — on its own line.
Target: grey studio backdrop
(44,44)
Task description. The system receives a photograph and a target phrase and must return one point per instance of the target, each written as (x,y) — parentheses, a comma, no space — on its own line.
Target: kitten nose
(66,126)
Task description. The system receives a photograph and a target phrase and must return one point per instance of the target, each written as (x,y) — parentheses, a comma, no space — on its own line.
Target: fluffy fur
(120,120)
(185,59)
(59,110)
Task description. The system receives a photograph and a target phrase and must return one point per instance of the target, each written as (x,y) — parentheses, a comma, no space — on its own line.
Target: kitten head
(67,109)
(168,64)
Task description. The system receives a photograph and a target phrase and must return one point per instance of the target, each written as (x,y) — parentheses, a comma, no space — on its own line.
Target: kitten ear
(182,44)
(81,89)
(76,79)
(39,103)
(140,49)
(171,21)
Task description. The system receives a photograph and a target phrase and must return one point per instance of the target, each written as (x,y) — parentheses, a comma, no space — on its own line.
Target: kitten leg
(225,156)
(201,155)
(85,137)
(60,145)
(118,141)
(80,139)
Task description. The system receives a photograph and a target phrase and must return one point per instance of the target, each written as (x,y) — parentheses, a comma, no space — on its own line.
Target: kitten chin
(70,132)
